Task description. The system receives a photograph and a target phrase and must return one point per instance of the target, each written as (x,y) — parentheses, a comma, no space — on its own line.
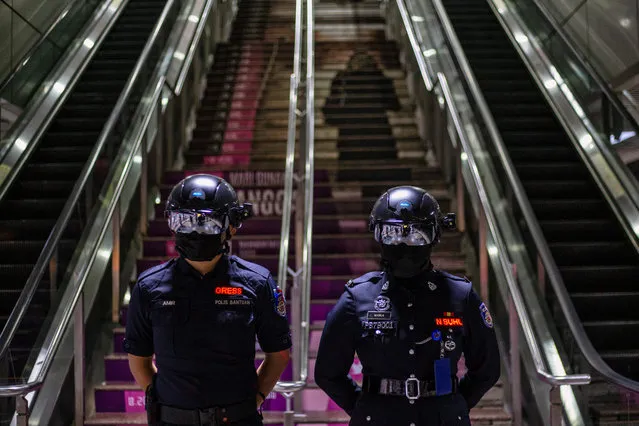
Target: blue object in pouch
(443,380)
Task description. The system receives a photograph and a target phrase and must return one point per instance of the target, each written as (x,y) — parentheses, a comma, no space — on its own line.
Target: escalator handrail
(518,299)
(43,37)
(567,307)
(31,285)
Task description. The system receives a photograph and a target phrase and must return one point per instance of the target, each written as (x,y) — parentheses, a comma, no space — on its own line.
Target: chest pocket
(168,318)
(225,326)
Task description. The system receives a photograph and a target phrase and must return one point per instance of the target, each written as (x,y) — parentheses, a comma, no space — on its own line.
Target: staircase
(599,266)
(33,204)
(366,141)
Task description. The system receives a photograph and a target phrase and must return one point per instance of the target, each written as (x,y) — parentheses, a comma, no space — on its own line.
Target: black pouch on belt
(151,405)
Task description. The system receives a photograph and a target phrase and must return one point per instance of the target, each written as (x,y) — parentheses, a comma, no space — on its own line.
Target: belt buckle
(408,389)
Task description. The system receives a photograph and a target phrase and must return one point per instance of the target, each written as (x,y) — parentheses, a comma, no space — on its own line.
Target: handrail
(43,37)
(518,299)
(287,207)
(30,287)
(568,309)
(309,181)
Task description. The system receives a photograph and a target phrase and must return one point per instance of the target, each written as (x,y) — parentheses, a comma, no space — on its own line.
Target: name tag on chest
(233,302)
(378,316)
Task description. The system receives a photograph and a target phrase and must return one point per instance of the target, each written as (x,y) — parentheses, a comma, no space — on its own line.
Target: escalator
(33,204)
(599,266)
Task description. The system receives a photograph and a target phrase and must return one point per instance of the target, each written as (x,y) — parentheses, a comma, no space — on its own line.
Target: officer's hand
(259,400)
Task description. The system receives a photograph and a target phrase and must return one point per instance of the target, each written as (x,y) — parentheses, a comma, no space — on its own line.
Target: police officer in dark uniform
(199,315)
(409,325)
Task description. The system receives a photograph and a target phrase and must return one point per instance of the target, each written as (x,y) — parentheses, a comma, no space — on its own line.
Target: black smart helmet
(205,204)
(408,215)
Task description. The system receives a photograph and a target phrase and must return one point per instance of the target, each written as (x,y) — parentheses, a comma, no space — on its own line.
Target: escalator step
(550,209)
(591,252)
(29,251)
(538,137)
(565,189)
(8,297)
(36,229)
(542,153)
(41,188)
(95,98)
(605,306)
(14,275)
(519,96)
(600,278)
(33,208)
(69,138)
(523,122)
(568,230)
(85,125)
(114,64)
(52,171)
(101,86)
(552,171)
(612,335)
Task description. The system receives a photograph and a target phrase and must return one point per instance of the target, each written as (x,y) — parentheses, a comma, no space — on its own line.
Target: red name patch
(228,291)
(449,322)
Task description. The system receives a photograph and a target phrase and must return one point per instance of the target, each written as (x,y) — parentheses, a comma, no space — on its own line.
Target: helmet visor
(411,234)
(200,222)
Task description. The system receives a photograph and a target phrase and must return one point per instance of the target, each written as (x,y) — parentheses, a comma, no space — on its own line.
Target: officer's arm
(273,335)
(480,351)
(138,342)
(270,370)
(336,353)
(142,369)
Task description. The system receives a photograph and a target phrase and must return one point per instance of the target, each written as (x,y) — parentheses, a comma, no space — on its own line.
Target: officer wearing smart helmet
(409,324)
(199,315)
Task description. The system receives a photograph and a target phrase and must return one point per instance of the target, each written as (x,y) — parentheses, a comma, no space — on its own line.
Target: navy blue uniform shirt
(202,329)
(399,330)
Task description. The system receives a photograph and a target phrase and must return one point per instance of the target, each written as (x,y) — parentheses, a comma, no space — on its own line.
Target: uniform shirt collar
(216,274)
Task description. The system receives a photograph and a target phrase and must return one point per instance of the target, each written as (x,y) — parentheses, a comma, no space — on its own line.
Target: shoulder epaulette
(373,277)
(155,269)
(453,277)
(253,267)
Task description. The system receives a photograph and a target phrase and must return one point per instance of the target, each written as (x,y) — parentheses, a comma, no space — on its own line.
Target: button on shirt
(202,329)
(400,332)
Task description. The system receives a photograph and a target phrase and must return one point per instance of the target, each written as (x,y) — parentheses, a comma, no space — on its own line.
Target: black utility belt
(209,416)
(411,388)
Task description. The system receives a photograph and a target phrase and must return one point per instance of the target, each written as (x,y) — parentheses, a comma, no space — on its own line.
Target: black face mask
(199,247)
(406,261)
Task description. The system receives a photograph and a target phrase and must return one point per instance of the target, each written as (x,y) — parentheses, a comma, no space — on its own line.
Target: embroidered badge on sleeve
(280,303)
(485,315)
